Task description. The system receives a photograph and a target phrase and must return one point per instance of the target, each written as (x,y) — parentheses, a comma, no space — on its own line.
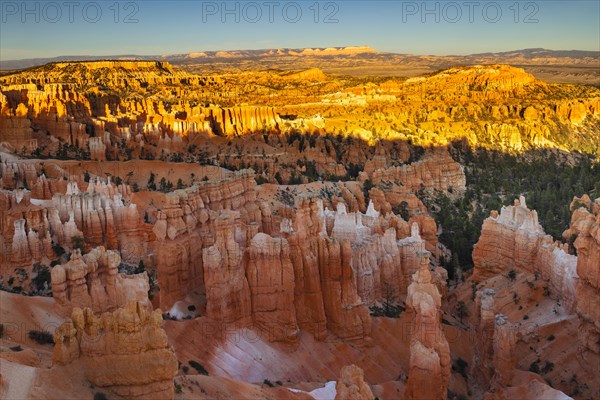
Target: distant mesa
(197,55)
(303,52)
(336,51)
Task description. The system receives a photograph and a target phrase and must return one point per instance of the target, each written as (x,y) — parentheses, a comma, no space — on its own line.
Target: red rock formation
(308,295)
(482,336)
(437,170)
(351,385)
(382,263)
(515,240)
(347,315)
(494,340)
(92,281)
(186,228)
(228,297)
(270,276)
(97,149)
(99,215)
(126,351)
(430,362)
(24,231)
(103,218)
(319,267)
(509,240)
(585,226)
(504,360)
(16,127)
(242,120)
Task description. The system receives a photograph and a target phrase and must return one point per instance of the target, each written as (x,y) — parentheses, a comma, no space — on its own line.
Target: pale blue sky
(47,28)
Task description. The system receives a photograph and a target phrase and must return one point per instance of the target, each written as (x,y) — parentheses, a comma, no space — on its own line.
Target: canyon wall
(217,238)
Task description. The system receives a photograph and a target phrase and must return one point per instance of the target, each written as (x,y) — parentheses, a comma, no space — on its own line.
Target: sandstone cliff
(333,263)
(190,232)
(270,276)
(92,281)
(436,170)
(585,227)
(24,231)
(429,371)
(126,351)
(514,239)
(32,228)
(494,339)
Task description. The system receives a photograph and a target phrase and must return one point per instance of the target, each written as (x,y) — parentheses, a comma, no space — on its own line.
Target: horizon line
(299,48)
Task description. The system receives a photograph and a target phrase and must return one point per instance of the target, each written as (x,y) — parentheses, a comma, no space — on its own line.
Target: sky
(31,29)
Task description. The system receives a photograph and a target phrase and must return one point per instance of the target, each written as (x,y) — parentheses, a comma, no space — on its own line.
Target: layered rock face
(483,105)
(52,107)
(382,262)
(347,315)
(494,339)
(351,385)
(242,120)
(92,281)
(509,240)
(270,276)
(228,296)
(30,227)
(16,127)
(437,170)
(103,218)
(190,232)
(430,362)
(60,102)
(585,227)
(482,336)
(25,232)
(312,268)
(126,351)
(304,254)
(504,359)
(235,265)
(359,260)
(113,74)
(514,239)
